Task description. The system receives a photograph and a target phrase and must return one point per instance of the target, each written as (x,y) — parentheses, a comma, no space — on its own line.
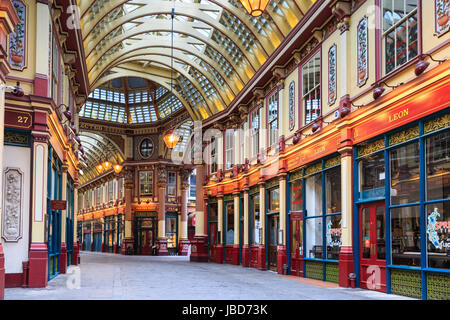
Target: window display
(333,190)
(255,220)
(314,195)
(438,235)
(438,166)
(333,234)
(274,200)
(372,176)
(230,223)
(314,239)
(405,234)
(405,182)
(297,195)
(146,183)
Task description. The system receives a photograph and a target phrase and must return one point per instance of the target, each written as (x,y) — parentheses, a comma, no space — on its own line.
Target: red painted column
(183,248)
(199,248)
(128,241)
(38,262)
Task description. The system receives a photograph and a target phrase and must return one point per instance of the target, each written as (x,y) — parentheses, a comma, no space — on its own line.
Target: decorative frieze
(370,147)
(362,52)
(404,136)
(333,162)
(12,205)
(437,124)
(314,168)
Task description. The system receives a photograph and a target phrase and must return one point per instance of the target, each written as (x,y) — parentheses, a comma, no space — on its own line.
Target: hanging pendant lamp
(255,7)
(170,138)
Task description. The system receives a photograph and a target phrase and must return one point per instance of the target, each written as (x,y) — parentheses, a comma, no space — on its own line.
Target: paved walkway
(104,276)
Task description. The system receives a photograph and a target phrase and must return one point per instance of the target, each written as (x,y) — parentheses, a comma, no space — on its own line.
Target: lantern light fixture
(255,7)
(117,168)
(171,139)
(422,65)
(107,165)
(100,168)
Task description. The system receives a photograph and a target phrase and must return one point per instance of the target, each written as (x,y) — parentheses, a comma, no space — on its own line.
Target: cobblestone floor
(104,276)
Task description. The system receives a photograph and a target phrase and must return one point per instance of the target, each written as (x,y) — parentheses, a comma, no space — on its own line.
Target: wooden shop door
(274,221)
(212,241)
(372,246)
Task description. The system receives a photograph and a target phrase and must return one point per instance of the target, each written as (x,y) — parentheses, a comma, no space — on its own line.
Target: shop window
(272,118)
(171,231)
(296,195)
(333,187)
(121,193)
(311,89)
(255,236)
(314,195)
(274,200)
(230,223)
(399,32)
(229,147)
(193,185)
(314,238)
(438,235)
(146,183)
(405,184)
(242,143)
(171,184)
(110,191)
(438,166)
(372,176)
(254,132)
(213,166)
(333,234)
(405,225)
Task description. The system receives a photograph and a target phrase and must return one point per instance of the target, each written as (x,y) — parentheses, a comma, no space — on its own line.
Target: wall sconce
(378,91)
(422,65)
(316,126)
(16,91)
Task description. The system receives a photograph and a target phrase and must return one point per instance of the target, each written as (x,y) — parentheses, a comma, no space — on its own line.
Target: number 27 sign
(18,119)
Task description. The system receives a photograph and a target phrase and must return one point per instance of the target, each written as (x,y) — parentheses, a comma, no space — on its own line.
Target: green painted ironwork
(406,283)
(438,286)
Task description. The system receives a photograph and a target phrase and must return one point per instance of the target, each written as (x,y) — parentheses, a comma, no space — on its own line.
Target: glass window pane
(314,195)
(372,176)
(314,238)
(274,200)
(405,226)
(230,223)
(333,234)
(255,238)
(296,195)
(380,232)
(405,183)
(365,234)
(412,37)
(333,190)
(401,44)
(438,166)
(438,235)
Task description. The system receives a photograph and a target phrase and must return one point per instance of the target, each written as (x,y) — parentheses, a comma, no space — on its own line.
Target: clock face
(146,148)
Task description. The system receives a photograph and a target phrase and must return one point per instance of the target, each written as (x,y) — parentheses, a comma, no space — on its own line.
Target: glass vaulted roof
(130,100)
(217,48)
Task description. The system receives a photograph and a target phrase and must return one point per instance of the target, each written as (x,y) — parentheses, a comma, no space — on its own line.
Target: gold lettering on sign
(398,115)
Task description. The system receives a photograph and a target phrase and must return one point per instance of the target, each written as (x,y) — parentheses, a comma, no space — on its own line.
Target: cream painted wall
(333,39)
(17,252)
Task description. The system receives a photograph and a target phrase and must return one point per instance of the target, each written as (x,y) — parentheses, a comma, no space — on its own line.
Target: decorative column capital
(40,137)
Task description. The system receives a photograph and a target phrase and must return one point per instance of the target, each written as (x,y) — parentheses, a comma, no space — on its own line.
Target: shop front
(295,211)
(97,235)
(87,236)
(402,197)
(255,234)
(273,238)
(145,232)
(321,184)
(172,232)
(120,232)
(109,234)
(213,235)
(53,218)
(229,230)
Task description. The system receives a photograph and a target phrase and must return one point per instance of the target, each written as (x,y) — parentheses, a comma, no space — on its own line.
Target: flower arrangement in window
(17,38)
(332,75)
(442,8)
(362,54)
